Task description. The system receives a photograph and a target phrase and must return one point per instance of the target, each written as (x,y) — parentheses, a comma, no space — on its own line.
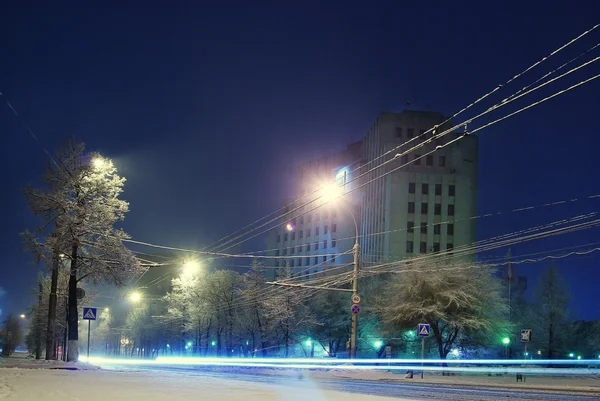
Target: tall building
(422,207)
(425,206)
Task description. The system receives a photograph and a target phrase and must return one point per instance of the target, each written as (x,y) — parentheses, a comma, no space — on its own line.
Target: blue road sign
(355,309)
(526,335)
(89,314)
(423,330)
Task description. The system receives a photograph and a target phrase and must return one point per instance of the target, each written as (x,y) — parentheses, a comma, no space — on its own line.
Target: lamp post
(331,193)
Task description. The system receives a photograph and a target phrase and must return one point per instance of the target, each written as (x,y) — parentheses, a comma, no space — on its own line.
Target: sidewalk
(589,384)
(25,363)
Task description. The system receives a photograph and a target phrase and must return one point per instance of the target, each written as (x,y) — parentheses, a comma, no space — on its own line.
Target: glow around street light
(190,268)
(331,192)
(99,163)
(506,341)
(289,227)
(22,316)
(135,297)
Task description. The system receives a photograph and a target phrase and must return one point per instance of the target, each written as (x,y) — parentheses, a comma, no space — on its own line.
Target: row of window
(423,247)
(410,132)
(307,247)
(437,229)
(412,187)
(428,160)
(437,209)
(317,217)
(292,235)
(305,261)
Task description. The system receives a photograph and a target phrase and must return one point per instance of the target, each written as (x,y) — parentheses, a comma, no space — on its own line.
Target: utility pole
(354,330)
(38,325)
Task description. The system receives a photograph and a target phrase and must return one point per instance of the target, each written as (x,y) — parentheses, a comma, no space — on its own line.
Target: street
(158,382)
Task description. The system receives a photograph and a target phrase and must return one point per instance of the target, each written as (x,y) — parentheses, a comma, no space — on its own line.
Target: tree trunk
(38,325)
(52,305)
(73,352)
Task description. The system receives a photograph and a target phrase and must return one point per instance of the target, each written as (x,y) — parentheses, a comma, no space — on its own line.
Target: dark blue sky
(206,107)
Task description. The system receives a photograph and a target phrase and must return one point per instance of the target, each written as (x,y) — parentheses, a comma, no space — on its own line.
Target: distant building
(421,208)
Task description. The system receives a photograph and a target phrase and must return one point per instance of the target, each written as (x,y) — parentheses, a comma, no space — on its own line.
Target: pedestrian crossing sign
(89,313)
(423,330)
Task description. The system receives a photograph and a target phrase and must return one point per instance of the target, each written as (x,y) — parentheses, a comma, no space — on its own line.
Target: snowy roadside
(60,385)
(24,363)
(589,384)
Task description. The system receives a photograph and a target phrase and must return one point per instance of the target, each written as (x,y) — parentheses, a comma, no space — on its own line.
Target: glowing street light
(99,163)
(308,343)
(135,297)
(22,316)
(571,355)
(506,341)
(190,268)
(289,227)
(378,344)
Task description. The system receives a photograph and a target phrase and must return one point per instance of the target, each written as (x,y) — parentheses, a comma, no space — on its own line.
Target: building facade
(419,203)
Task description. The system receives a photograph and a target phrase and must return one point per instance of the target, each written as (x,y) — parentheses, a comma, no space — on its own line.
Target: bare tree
(454,298)
(81,200)
(12,334)
(550,313)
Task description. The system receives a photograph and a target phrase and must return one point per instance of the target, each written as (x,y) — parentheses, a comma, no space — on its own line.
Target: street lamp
(190,268)
(135,297)
(331,193)
(506,342)
(22,316)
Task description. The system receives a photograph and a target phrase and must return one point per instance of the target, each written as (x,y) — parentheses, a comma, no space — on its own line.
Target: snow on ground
(67,385)
(558,383)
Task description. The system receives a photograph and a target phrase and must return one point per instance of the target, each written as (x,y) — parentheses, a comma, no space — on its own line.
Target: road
(413,391)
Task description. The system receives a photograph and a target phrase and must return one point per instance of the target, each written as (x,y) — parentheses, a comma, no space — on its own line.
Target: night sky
(206,107)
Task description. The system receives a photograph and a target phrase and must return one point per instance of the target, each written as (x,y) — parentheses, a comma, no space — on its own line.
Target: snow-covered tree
(12,334)
(80,204)
(255,319)
(550,314)
(288,311)
(456,298)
